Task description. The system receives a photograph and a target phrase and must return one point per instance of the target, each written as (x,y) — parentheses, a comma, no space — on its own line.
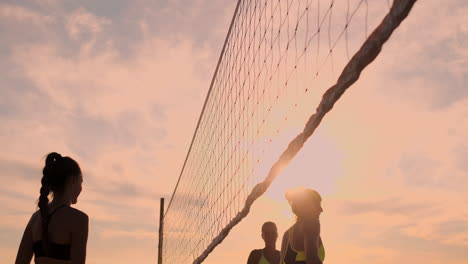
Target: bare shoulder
(312,227)
(286,233)
(35,217)
(254,256)
(78,216)
(285,240)
(78,213)
(256,252)
(277,253)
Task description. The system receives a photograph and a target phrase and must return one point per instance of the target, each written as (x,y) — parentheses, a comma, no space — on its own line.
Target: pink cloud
(81,22)
(23,15)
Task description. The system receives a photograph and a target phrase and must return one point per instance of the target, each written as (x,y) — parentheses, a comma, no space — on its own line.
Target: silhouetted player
(302,243)
(268,255)
(56,233)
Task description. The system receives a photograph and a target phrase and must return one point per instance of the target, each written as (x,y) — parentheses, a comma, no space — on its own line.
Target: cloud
(135,234)
(452,227)
(18,168)
(388,207)
(70,89)
(437,74)
(82,24)
(396,238)
(92,136)
(158,17)
(23,15)
(461,156)
(419,171)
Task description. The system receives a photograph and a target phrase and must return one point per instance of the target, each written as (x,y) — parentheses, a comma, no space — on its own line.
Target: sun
(318,165)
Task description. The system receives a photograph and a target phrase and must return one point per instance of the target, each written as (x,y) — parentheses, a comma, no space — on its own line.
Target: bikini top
(56,250)
(263,259)
(298,256)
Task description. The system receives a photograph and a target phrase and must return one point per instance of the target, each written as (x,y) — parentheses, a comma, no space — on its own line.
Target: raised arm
(311,242)
(79,239)
(25,250)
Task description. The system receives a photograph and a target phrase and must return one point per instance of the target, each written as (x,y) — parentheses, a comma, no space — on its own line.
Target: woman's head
(304,202)
(269,233)
(61,176)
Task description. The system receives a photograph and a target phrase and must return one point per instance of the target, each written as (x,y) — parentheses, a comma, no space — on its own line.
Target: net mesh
(278,59)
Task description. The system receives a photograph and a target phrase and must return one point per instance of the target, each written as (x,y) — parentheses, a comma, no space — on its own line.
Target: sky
(119,86)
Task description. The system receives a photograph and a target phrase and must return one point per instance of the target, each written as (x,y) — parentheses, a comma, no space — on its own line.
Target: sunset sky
(119,85)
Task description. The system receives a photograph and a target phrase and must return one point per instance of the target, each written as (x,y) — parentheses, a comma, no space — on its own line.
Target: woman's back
(66,226)
(56,233)
(59,225)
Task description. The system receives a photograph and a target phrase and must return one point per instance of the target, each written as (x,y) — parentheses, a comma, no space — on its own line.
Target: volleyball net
(281,60)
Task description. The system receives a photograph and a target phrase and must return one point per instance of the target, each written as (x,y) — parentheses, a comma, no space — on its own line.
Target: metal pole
(161,225)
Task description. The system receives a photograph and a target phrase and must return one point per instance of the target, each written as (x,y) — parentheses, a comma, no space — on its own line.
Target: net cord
(350,74)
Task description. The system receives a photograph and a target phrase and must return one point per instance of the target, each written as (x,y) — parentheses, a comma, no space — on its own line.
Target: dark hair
(266,224)
(57,172)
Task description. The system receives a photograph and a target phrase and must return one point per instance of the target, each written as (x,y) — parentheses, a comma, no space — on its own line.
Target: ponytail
(47,175)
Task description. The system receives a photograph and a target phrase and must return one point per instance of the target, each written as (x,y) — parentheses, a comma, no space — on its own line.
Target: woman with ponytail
(56,233)
(302,243)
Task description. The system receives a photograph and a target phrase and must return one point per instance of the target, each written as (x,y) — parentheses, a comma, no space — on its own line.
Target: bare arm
(79,239)
(311,242)
(254,257)
(25,250)
(284,246)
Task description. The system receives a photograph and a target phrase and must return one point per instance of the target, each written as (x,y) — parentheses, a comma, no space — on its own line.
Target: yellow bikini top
(263,260)
(301,254)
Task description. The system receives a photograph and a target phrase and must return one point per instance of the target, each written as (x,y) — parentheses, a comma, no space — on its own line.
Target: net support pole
(161,228)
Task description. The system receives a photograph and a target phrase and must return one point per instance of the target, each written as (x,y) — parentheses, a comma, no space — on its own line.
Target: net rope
(274,54)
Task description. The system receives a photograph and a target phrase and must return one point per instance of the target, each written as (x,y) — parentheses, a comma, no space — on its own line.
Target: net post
(161,228)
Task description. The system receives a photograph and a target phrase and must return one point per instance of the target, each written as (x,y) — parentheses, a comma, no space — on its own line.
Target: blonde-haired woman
(301,243)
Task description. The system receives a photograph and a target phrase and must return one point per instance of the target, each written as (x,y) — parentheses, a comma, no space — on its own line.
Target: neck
(60,199)
(302,219)
(270,247)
